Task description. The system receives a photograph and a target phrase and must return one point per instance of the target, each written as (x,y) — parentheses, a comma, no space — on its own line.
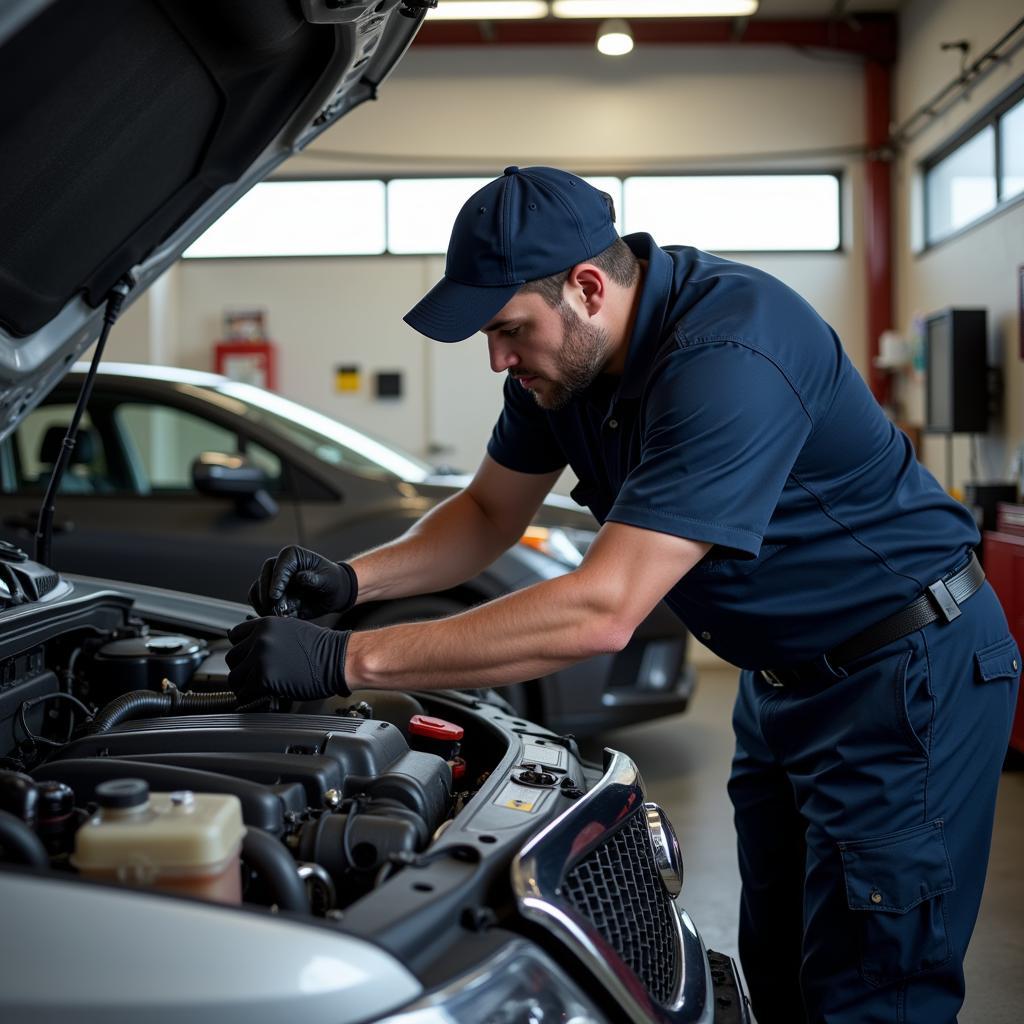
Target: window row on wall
(979,171)
(716,212)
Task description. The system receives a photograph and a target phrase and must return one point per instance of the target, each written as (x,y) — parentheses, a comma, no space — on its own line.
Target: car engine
(334,796)
(347,790)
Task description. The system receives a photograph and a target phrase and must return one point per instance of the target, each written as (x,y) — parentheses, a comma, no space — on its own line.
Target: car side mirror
(234,476)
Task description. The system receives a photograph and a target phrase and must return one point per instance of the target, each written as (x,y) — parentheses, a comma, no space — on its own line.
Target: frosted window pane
(299,218)
(421,211)
(962,187)
(736,213)
(1011,138)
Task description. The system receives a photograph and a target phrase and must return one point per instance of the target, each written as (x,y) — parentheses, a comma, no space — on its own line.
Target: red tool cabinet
(1004,567)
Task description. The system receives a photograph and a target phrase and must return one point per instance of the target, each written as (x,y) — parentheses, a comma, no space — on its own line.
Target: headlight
(520,985)
(567,546)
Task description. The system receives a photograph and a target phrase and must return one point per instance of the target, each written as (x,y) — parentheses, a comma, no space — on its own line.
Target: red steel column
(878,215)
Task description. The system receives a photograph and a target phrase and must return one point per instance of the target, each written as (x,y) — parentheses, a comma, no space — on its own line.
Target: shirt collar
(649,326)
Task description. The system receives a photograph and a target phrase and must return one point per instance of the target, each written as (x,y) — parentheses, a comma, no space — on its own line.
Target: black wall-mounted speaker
(956,366)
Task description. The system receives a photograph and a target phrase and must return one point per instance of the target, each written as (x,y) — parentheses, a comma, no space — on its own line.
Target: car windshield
(330,441)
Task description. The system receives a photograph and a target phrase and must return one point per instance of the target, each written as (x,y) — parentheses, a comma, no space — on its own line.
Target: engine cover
(302,757)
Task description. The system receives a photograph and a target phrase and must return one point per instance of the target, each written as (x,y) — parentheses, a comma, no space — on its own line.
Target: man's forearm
(528,634)
(524,635)
(449,545)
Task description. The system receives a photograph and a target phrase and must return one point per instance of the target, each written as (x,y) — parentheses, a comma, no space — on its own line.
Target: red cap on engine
(435,728)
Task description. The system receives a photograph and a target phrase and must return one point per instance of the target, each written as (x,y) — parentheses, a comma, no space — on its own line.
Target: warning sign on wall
(346,378)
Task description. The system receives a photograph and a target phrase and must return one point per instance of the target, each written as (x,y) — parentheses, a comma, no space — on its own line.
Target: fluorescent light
(614,38)
(653,8)
(489,10)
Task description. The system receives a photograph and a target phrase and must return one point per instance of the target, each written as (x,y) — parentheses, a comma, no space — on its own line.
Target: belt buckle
(946,602)
(772,678)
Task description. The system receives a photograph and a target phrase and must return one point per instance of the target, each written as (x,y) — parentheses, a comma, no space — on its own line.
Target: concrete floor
(685,764)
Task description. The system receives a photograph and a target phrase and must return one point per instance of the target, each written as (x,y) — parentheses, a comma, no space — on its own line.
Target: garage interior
(876,93)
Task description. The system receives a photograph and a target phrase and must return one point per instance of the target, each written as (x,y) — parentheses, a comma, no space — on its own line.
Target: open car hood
(129,126)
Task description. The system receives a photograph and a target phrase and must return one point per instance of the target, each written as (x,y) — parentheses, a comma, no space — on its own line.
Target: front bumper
(578,700)
(595,695)
(730,999)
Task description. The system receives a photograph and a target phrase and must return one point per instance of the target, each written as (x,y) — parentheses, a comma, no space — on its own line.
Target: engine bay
(120,740)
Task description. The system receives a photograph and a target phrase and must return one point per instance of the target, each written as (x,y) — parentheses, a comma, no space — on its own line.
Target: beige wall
(657,107)
(322,313)
(979,268)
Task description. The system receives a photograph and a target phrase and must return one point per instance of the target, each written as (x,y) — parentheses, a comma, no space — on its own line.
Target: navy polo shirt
(739,421)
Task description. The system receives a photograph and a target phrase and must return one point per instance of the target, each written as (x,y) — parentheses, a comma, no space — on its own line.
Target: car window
(267,461)
(38,443)
(163,442)
(330,441)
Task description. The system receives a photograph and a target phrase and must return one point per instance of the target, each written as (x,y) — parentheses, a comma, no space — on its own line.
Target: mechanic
(742,471)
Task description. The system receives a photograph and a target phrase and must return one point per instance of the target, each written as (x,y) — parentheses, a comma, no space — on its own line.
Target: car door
(128,509)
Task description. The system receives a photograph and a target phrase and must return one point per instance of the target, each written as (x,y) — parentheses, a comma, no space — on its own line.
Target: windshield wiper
(44,527)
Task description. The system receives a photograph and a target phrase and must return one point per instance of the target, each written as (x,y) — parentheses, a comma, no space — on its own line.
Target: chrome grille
(594,879)
(617,887)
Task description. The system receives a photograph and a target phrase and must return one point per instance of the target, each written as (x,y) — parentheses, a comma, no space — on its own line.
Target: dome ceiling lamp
(614,37)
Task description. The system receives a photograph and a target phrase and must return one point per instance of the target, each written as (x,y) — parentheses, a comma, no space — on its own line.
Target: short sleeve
(523,438)
(722,428)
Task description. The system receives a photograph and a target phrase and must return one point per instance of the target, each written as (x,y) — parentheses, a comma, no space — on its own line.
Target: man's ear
(587,286)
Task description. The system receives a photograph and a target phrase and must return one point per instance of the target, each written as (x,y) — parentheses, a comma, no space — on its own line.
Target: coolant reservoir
(183,842)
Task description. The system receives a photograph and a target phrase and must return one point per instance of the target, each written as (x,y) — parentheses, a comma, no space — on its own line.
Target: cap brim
(451,311)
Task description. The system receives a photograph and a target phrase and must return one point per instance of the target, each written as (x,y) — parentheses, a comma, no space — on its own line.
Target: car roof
(148,371)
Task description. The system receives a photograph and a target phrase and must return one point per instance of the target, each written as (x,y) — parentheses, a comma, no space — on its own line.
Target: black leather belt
(942,600)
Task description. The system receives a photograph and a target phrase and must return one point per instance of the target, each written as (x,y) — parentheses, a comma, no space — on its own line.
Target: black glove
(302,583)
(287,658)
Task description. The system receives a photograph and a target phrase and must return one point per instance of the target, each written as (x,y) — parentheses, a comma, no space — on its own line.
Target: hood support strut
(44,527)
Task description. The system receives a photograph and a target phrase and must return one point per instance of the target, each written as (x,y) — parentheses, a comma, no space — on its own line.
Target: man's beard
(578,362)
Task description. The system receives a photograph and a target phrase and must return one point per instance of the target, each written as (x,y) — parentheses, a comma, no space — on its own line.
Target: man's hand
(287,658)
(302,583)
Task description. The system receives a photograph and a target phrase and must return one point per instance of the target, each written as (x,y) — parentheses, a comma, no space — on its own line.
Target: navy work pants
(864,812)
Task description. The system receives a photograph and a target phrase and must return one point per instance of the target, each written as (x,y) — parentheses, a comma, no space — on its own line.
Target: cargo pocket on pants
(1000,660)
(896,884)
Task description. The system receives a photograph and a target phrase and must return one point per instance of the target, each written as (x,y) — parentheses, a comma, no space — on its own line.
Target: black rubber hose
(271,859)
(20,843)
(144,703)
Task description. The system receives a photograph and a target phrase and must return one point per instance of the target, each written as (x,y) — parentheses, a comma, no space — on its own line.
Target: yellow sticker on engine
(518,805)
(519,798)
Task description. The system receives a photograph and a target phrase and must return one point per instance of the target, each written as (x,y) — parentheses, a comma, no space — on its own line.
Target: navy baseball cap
(529,223)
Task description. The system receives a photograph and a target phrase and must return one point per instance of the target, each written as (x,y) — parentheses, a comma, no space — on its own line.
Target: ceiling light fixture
(614,37)
(653,8)
(489,10)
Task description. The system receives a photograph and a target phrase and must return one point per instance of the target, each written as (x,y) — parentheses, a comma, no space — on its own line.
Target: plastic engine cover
(311,751)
